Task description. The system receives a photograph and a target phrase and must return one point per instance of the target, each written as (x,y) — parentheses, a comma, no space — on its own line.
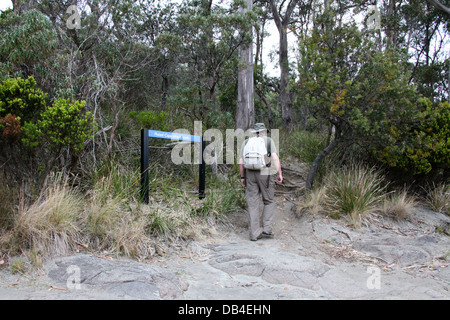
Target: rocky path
(299,266)
(309,258)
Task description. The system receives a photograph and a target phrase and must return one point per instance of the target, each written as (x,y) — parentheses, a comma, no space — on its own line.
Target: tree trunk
(286,108)
(448,80)
(164,91)
(317,162)
(391,31)
(282,24)
(245,114)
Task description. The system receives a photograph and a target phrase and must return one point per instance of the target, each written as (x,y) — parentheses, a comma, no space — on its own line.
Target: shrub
(151,120)
(63,124)
(420,143)
(39,136)
(10,126)
(370,101)
(20,98)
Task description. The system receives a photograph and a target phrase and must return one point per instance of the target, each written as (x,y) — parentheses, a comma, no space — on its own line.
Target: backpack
(256,154)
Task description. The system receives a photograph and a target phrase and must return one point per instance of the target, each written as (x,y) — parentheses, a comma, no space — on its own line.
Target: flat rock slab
(239,264)
(402,251)
(121,279)
(275,267)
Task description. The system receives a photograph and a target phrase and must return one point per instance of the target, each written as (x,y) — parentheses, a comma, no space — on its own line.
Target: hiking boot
(268,235)
(257,238)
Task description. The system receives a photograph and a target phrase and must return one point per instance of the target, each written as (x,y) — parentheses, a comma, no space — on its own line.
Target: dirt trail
(309,258)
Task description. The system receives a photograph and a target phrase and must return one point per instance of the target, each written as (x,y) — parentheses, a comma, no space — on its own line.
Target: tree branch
(289,11)
(276,15)
(440,6)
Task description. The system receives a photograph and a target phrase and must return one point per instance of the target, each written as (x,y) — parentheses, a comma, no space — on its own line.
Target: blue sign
(173,136)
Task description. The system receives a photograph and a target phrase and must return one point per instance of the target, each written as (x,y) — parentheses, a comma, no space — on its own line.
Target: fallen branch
(344,233)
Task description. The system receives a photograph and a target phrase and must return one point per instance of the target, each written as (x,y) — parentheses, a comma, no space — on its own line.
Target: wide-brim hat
(259,127)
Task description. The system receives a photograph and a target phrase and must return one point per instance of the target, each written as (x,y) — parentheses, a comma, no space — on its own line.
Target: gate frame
(145,157)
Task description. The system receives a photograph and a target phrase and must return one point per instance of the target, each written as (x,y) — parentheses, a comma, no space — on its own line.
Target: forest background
(79,79)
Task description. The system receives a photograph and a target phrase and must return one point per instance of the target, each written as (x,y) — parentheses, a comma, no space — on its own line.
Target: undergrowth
(355,192)
(106,214)
(350,189)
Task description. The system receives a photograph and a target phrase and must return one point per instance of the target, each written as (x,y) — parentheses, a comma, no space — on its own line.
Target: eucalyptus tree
(282,16)
(245,112)
(208,39)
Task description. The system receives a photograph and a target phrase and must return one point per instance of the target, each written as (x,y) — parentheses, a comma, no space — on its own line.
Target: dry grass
(399,205)
(438,197)
(49,226)
(108,218)
(313,202)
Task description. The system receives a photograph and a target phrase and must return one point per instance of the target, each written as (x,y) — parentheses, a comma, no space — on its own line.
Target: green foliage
(220,120)
(365,93)
(24,114)
(304,145)
(421,143)
(151,120)
(20,98)
(223,197)
(26,40)
(62,124)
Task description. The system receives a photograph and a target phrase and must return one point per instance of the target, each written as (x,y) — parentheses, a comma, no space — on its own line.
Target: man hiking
(257,155)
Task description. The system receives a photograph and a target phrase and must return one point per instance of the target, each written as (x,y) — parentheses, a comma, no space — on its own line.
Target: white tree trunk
(245,115)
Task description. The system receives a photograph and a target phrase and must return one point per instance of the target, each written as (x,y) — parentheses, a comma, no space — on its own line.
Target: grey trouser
(258,185)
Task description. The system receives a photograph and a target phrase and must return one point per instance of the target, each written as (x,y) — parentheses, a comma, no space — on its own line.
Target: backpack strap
(269,151)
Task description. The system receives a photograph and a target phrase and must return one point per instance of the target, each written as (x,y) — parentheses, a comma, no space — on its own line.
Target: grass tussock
(313,202)
(354,192)
(438,198)
(50,225)
(351,192)
(109,218)
(399,205)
